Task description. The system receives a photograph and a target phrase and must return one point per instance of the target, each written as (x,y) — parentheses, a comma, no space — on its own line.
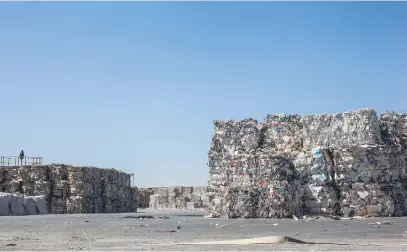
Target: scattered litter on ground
(163,217)
(381,223)
(144,225)
(178,227)
(305,218)
(166,231)
(86,221)
(139,217)
(11,245)
(275,224)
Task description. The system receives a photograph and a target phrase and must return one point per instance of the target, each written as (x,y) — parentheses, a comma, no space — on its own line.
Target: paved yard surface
(115,232)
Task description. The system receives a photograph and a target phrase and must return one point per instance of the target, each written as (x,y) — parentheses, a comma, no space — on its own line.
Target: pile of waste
(351,163)
(71,189)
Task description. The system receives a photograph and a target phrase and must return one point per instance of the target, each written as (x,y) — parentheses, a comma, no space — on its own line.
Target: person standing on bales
(21,156)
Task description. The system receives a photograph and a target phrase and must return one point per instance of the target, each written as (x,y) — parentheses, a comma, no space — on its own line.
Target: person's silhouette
(21,156)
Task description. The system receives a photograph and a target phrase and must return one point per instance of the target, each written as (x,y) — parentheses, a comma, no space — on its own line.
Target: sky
(136,86)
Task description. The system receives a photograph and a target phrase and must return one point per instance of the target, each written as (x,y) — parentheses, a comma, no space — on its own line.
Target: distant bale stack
(178,197)
(69,189)
(143,197)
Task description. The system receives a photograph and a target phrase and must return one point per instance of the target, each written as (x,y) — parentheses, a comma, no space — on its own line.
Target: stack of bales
(116,191)
(231,163)
(11,180)
(58,178)
(62,189)
(134,199)
(143,196)
(179,197)
(35,182)
(85,190)
(346,163)
(160,198)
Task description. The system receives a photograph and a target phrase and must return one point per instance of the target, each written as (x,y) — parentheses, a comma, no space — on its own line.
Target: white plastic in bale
(41,204)
(16,202)
(4,204)
(30,205)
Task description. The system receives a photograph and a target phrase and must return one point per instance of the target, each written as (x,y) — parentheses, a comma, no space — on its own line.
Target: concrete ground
(114,232)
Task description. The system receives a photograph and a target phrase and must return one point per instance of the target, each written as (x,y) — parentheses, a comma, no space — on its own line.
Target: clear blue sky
(136,86)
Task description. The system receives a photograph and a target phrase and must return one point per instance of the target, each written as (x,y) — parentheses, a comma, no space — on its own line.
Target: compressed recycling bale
(205,200)
(74,205)
(39,173)
(217,197)
(369,163)
(28,187)
(154,202)
(57,172)
(111,191)
(315,131)
(354,128)
(143,196)
(123,179)
(81,188)
(384,199)
(25,173)
(281,133)
(58,205)
(321,199)
(274,167)
(98,206)
(16,203)
(2,173)
(134,193)
(30,205)
(40,201)
(42,188)
(112,206)
(4,204)
(271,201)
(134,199)
(60,188)
(111,176)
(108,206)
(33,173)
(393,128)
(340,130)
(82,173)
(12,173)
(12,186)
(33,188)
(77,204)
(232,137)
